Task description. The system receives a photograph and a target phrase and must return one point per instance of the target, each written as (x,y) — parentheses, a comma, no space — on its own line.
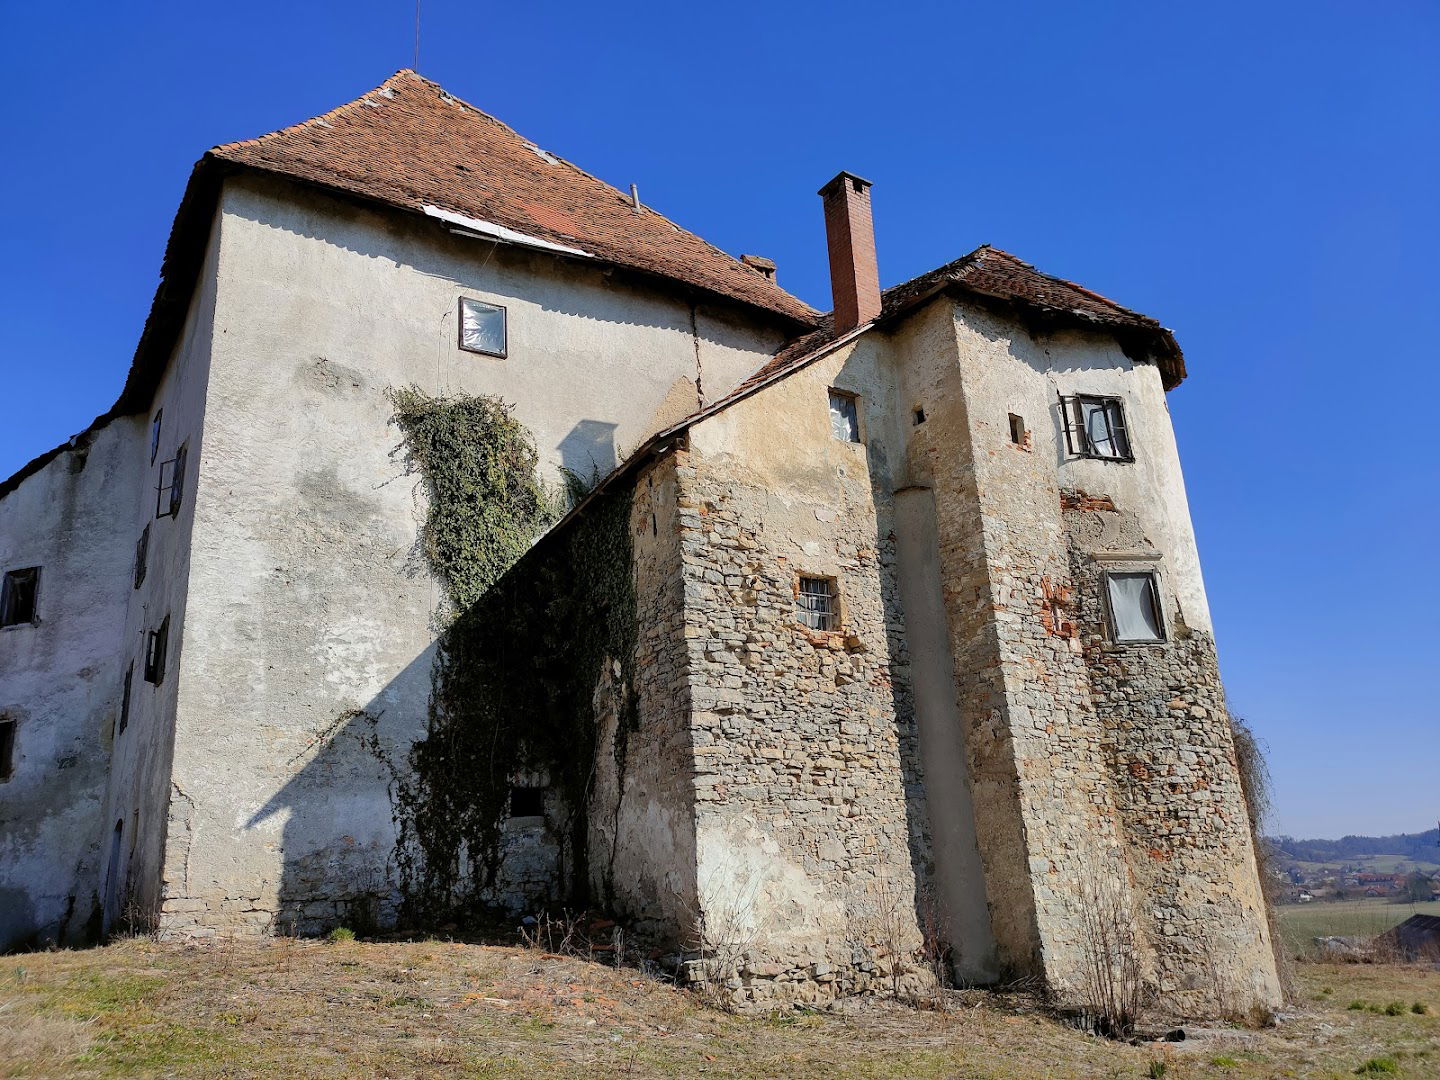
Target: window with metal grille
(170,486)
(20,597)
(527,802)
(157,644)
(1095,427)
(142,554)
(1135,614)
(7,748)
(844,416)
(482,327)
(816,603)
(125,698)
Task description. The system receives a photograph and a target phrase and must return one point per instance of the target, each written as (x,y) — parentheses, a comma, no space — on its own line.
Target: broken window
(482,327)
(125,698)
(1095,427)
(19,597)
(1135,614)
(7,748)
(157,644)
(142,553)
(844,416)
(816,603)
(527,802)
(170,486)
(155,435)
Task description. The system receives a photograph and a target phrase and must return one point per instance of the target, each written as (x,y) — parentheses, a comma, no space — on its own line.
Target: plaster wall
(60,680)
(309,640)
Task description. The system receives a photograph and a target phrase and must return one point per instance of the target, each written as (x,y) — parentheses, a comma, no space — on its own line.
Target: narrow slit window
(155,435)
(125,698)
(482,327)
(157,644)
(817,605)
(1095,427)
(7,748)
(1017,429)
(527,802)
(919,415)
(142,555)
(1135,607)
(844,416)
(20,597)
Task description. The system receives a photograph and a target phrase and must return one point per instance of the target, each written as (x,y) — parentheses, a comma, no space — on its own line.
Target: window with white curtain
(1135,614)
(844,416)
(482,327)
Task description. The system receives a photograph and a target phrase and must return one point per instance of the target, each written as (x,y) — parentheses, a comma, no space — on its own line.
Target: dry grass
(293,1009)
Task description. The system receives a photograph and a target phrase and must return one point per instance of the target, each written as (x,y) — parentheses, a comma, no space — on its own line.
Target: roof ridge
(1070,284)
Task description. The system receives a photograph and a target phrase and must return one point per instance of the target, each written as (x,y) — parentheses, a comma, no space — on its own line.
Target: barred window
(1095,427)
(816,603)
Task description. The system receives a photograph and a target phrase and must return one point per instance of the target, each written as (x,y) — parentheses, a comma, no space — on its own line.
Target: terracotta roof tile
(410,144)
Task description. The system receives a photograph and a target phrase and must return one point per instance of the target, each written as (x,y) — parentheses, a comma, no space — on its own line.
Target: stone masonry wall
(1176,778)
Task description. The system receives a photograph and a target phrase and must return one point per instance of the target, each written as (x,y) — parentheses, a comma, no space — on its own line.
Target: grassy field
(1302,923)
(433,1009)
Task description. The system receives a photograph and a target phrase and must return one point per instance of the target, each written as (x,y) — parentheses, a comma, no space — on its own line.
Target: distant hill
(1420,847)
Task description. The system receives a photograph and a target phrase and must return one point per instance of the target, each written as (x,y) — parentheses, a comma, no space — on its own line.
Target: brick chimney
(850,236)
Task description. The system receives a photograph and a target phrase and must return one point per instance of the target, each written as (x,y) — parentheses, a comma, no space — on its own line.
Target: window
(844,416)
(7,748)
(1095,427)
(155,435)
(1134,607)
(157,643)
(815,603)
(142,551)
(527,802)
(170,493)
(1017,429)
(919,415)
(19,597)
(125,698)
(482,327)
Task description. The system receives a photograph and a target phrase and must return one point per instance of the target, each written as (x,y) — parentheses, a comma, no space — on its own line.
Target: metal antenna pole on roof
(416,65)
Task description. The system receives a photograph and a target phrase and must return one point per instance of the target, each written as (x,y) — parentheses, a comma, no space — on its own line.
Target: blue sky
(1263,178)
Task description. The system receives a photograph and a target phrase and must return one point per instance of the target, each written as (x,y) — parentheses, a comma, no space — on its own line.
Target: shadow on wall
(589,450)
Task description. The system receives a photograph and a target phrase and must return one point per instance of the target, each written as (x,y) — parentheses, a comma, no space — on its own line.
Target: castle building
(880,644)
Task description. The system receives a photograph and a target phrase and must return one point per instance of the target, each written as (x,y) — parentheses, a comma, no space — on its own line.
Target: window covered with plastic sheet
(1135,607)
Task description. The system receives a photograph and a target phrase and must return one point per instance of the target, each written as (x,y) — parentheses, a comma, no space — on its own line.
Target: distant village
(1305,884)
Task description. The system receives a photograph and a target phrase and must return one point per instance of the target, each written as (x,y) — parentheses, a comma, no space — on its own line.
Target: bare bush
(1112,975)
(723,930)
(1255,783)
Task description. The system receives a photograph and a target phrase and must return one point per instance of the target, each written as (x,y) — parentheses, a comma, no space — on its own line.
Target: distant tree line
(1422,847)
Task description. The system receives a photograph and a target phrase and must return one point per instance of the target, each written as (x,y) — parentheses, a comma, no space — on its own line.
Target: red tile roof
(997,278)
(409,144)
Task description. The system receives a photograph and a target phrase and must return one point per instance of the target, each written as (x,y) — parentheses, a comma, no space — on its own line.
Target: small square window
(155,435)
(142,555)
(844,416)
(1135,614)
(482,327)
(7,749)
(816,604)
(527,802)
(20,596)
(1095,427)
(157,644)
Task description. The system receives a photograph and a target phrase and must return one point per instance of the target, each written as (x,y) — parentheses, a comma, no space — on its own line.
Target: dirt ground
(287,1008)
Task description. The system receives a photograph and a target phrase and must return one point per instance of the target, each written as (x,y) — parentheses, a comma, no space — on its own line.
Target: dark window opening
(19,597)
(483,328)
(142,552)
(919,415)
(817,605)
(1135,614)
(7,749)
(1095,427)
(157,644)
(155,435)
(1017,429)
(527,802)
(170,486)
(125,698)
(844,416)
